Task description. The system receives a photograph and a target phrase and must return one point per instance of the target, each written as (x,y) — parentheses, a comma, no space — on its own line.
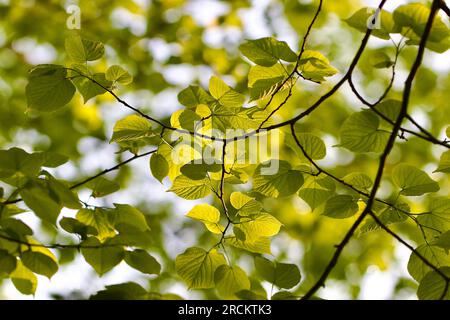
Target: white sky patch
(180,74)
(206,11)
(216,37)
(121,18)
(160,49)
(35,53)
(254,21)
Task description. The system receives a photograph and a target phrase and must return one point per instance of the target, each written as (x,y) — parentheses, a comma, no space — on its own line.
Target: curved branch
(403,112)
(339,180)
(443,6)
(426,134)
(59,245)
(101,173)
(411,248)
(294,71)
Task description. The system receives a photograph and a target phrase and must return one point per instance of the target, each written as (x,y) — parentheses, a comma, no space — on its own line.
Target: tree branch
(443,6)
(403,111)
(101,173)
(294,71)
(411,248)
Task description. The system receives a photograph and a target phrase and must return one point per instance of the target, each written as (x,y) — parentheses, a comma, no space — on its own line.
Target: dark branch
(382,161)
(101,173)
(443,6)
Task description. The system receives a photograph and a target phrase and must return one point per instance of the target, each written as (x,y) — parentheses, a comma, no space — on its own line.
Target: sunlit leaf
(197,267)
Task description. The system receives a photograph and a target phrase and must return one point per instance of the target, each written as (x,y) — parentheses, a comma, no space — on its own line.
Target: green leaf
(159,166)
(131,128)
(283,183)
(381,60)
(256,245)
(313,145)
(39,262)
(23,279)
(444,163)
(193,96)
(316,190)
(208,215)
(39,199)
(90,89)
(267,51)
(72,225)
(249,295)
(199,171)
(52,159)
(102,256)
(437,256)
(190,189)
(224,118)
(414,16)
(187,119)
(361,133)
(49,89)
(387,216)
(97,219)
(284,295)
(132,236)
(340,207)
(363,18)
(102,187)
(122,291)
(225,95)
(412,181)
(125,214)
(17,226)
(359,180)
(230,280)
(315,66)
(244,204)
(62,194)
(116,73)
(16,165)
(282,275)
(433,286)
(389,108)
(258,225)
(265,81)
(443,241)
(10,210)
(82,50)
(437,220)
(197,267)
(142,261)
(7,262)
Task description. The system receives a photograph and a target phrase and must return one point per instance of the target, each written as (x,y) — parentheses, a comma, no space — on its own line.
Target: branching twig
(294,71)
(411,248)
(101,173)
(403,111)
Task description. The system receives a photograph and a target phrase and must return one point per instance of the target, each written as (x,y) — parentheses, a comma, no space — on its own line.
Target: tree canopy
(224,149)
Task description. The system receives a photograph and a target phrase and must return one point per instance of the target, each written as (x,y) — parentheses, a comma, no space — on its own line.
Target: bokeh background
(167,45)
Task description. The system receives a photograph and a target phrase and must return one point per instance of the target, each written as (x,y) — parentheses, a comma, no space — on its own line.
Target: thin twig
(403,111)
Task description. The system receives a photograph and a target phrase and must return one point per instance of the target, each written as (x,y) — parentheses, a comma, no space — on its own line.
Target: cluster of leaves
(241,220)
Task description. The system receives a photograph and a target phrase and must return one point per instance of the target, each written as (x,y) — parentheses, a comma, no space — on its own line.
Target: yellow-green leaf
(207,214)
(197,267)
(230,280)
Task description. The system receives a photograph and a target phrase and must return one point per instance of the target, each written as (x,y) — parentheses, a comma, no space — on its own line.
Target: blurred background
(167,45)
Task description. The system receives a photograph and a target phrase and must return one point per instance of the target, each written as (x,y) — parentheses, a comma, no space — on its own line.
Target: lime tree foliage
(340,216)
